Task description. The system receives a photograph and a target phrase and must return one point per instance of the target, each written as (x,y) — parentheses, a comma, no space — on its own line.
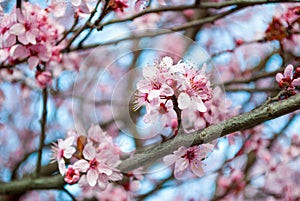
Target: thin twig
(43,122)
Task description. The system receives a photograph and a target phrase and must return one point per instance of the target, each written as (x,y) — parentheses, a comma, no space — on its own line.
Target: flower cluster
(284,28)
(188,159)
(289,79)
(93,158)
(29,35)
(169,89)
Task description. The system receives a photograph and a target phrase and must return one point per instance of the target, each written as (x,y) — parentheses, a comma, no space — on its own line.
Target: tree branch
(27,184)
(203,5)
(240,122)
(43,131)
(152,153)
(187,25)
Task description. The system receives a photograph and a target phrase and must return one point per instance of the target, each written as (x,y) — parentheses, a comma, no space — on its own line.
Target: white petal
(3,55)
(105,170)
(67,142)
(184,101)
(68,152)
(81,165)
(149,72)
(62,166)
(166,62)
(200,105)
(92,176)
(17,29)
(89,152)
(76,2)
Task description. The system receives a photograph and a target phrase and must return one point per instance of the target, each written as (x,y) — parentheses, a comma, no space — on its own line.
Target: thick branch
(241,122)
(21,186)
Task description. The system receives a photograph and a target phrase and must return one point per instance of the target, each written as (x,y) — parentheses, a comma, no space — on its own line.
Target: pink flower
(43,78)
(36,32)
(195,90)
(167,86)
(63,149)
(163,113)
(288,79)
(97,167)
(188,159)
(72,175)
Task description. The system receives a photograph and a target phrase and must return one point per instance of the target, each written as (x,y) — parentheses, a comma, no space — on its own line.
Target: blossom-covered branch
(238,123)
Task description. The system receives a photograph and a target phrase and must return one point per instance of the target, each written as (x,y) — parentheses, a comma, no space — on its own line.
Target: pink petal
(89,151)
(23,39)
(33,62)
(279,77)
(196,168)
(184,101)
(19,51)
(81,165)
(181,164)
(296,82)
(92,176)
(17,29)
(30,37)
(288,72)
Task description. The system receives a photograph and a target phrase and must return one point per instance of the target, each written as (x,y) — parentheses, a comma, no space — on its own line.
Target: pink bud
(43,78)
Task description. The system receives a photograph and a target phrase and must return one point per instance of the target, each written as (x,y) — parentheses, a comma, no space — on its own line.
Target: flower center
(93,163)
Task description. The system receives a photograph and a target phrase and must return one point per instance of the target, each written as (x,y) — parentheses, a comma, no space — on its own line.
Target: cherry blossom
(94,164)
(188,159)
(43,78)
(167,86)
(71,175)
(30,36)
(63,149)
(289,79)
